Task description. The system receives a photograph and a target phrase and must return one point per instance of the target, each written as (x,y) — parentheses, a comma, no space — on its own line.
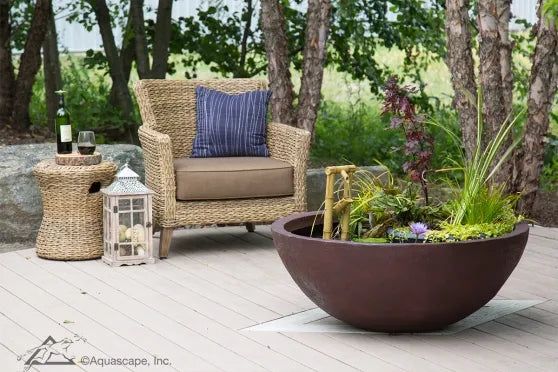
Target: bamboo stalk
(328,214)
(338,168)
(340,206)
(345,220)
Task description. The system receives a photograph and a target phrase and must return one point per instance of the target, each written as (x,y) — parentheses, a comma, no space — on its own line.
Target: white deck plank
(546,232)
(532,326)
(191,307)
(528,340)
(14,341)
(252,310)
(113,317)
(142,291)
(31,319)
(183,337)
(231,274)
(41,312)
(358,359)
(511,350)
(543,316)
(227,259)
(456,354)
(550,306)
(389,353)
(214,278)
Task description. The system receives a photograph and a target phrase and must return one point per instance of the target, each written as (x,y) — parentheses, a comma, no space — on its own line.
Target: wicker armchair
(168,110)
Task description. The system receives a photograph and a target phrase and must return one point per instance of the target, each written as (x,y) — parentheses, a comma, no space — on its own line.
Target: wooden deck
(190,311)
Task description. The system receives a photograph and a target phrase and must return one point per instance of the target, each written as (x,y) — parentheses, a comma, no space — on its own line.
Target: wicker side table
(72,225)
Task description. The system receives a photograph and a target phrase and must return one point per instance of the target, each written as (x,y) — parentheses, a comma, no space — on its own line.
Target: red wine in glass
(86,143)
(86,148)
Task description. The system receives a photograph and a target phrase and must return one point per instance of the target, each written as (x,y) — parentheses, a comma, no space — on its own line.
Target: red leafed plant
(420,144)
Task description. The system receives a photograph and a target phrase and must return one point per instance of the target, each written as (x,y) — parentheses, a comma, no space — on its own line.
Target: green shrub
(87,102)
(353,134)
(357,134)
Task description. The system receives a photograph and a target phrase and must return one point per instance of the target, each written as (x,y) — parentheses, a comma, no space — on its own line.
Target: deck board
(192,308)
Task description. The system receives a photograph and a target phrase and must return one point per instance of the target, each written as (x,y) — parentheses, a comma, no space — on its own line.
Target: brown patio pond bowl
(396,287)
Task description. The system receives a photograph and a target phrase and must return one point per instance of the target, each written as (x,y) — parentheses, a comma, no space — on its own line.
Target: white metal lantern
(127,222)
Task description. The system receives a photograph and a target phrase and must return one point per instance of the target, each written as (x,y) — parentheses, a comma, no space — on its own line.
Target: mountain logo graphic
(50,352)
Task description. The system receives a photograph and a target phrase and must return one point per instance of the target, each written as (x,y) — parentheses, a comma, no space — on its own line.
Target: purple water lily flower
(418,228)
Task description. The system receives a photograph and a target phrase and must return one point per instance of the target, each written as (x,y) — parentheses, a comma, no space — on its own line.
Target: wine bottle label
(65,133)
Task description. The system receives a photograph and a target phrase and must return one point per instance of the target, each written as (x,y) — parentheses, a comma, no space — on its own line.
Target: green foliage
(360,27)
(550,10)
(21,12)
(490,205)
(353,134)
(371,240)
(478,171)
(356,134)
(381,203)
(524,46)
(451,232)
(215,36)
(87,101)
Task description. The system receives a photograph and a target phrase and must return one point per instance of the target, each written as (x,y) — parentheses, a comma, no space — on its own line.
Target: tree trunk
(161,39)
(493,106)
(29,65)
(53,77)
(115,67)
(503,9)
(142,56)
(462,67)
(244,41)
(7,82)
(314,56)
(276,47)
(542,89)
(127,55)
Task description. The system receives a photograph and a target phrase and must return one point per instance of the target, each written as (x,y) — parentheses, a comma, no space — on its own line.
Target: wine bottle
(63,126)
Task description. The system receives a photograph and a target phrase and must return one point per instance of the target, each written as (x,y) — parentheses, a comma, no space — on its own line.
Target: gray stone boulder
(20,200)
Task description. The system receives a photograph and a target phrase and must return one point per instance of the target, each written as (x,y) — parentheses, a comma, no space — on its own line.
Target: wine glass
(86,143)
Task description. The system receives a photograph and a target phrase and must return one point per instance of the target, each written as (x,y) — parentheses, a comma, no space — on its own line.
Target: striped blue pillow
(230,125)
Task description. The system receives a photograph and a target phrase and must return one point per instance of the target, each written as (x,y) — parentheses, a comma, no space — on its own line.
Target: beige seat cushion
(232,178)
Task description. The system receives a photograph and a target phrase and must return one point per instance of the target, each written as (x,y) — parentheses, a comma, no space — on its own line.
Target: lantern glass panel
(125,227)
(137,203)
(138,219)
(139,250)
(125,250)
(138,231)
(123,205)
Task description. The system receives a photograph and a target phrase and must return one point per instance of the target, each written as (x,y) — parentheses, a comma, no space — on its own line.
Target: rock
(20,201)
(315,185)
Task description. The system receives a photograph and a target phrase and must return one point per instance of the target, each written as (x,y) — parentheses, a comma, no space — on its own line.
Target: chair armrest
(159,172)
(291,145)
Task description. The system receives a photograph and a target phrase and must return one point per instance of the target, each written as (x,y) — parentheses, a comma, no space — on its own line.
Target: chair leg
(250,226)
(164,241)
